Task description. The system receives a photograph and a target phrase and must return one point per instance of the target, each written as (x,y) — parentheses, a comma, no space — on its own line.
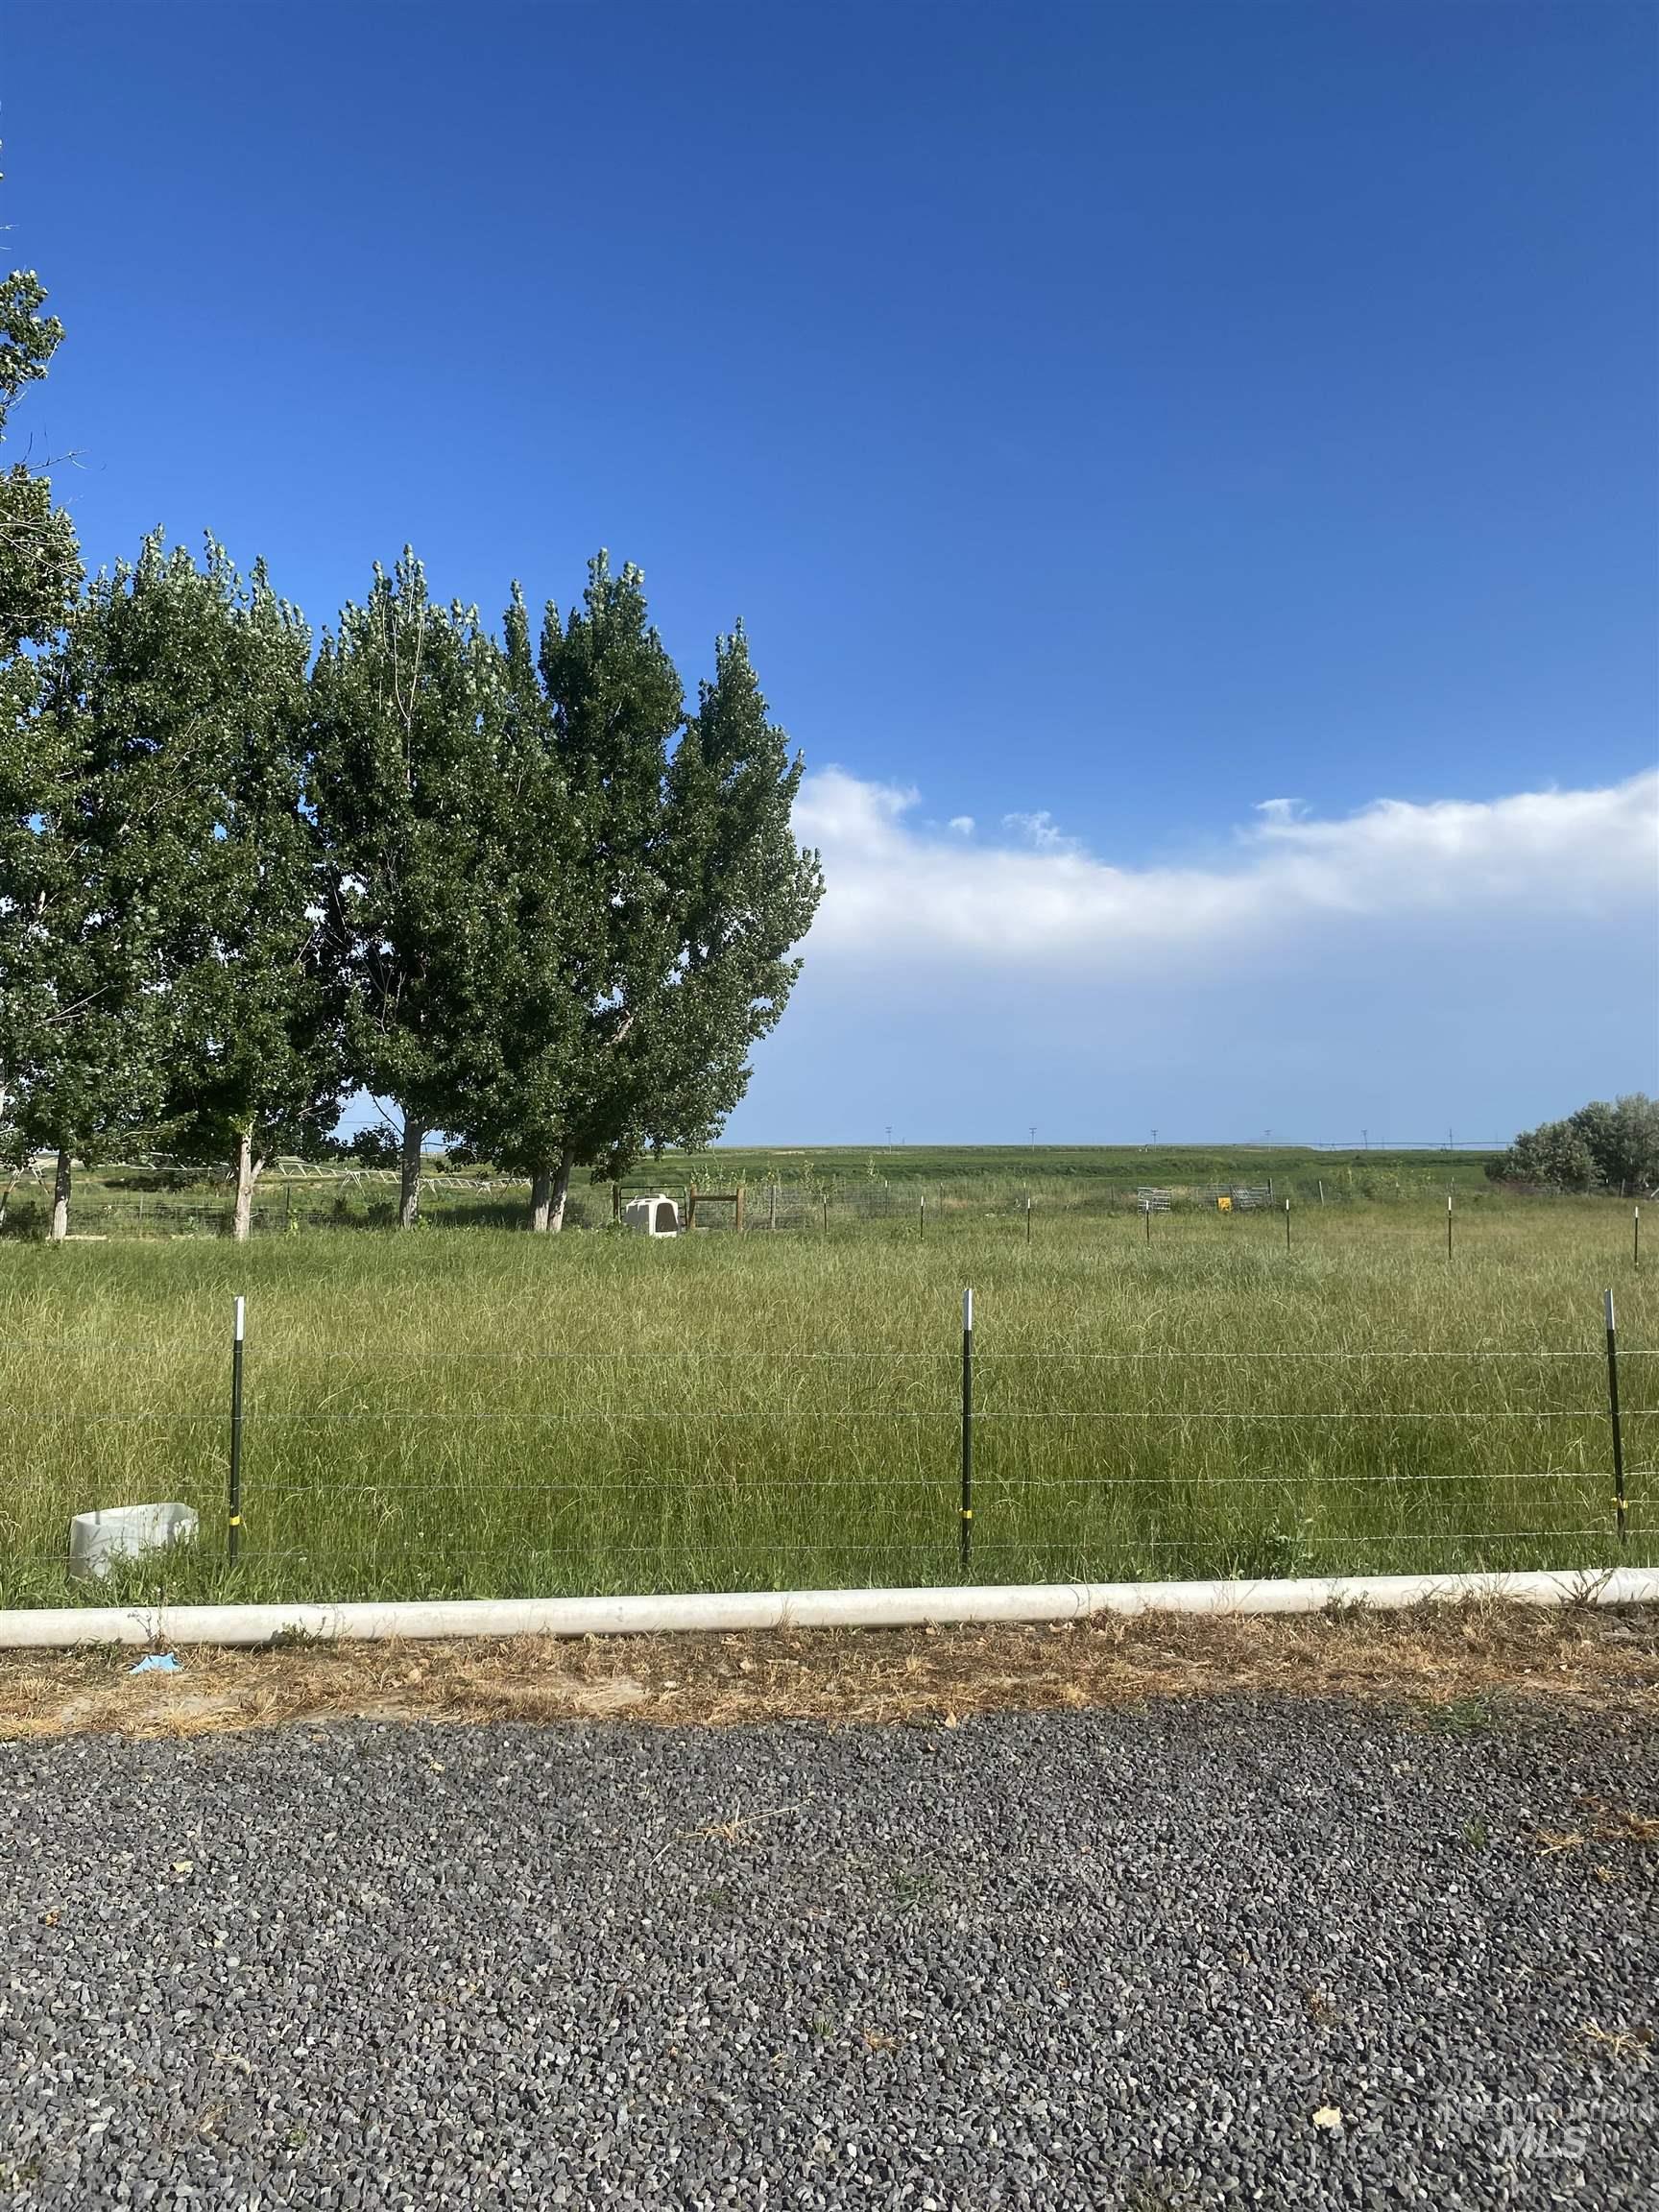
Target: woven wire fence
(530,1468)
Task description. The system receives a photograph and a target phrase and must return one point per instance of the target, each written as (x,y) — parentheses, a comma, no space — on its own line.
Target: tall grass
(489,1414)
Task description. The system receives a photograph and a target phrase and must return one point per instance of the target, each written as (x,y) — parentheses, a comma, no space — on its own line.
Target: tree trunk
(247,1175)
(60,1198)
(562,1188)
(409,1192)
(549,1188)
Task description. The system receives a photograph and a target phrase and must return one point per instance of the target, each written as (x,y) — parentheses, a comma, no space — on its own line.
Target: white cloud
(1041,831)
(962,824)
(895,889)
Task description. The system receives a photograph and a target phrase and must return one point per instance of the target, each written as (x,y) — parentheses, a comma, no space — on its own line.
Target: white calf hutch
(658,1217)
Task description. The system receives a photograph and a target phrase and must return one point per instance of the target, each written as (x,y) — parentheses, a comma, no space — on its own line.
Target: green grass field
(789,1183)
(490,1413)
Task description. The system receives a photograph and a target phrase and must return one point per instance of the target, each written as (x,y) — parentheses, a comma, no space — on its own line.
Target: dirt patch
(1431,1658)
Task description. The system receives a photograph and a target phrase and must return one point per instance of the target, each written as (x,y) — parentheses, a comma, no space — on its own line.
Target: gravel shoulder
(1191,1952)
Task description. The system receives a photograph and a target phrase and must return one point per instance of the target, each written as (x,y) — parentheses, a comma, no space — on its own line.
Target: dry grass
(1428,1660)
(1602,1823)
(1620,2043)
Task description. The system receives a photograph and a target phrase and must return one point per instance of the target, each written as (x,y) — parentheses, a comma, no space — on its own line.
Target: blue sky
(1107,420)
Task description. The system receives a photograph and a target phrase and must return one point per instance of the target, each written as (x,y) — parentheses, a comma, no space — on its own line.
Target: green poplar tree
(260,1066)
(408,703)
(657,893)
(39,564)
(543,903)
(744,893)
(104,863)
(39,578)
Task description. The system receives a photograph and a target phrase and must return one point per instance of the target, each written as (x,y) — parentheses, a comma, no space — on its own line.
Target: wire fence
(528,1468)
(297,1197)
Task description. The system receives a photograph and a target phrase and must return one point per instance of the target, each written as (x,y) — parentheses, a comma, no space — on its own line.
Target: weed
(1459,1717)
(910,1885)
(293,1636)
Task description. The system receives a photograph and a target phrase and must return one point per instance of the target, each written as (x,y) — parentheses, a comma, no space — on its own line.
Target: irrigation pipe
(60,1629)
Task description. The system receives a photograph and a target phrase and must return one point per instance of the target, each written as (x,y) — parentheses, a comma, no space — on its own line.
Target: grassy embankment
(492,1413)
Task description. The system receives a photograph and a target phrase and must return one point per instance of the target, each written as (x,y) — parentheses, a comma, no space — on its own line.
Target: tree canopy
(650,895)
(40,577)
(510,886)
(414,805)
(1602,1146)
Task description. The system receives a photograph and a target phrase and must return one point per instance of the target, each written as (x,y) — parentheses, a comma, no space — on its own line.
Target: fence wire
(561,1469)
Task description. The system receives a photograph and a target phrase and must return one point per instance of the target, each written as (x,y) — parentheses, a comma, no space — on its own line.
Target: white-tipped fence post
(967,1429)
(1618,1506)
(1636,1237)
(1448,1224)
(237,1343)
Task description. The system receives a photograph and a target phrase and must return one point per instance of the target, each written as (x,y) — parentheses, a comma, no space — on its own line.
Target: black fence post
(238,1347)
(1286,1224)
(1618,1506)
(1636,1237)
(967,1427)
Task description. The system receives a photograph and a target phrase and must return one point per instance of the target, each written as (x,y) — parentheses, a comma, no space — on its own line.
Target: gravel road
(1210,1952)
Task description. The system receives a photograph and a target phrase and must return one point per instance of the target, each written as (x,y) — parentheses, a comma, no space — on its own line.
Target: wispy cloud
(1041,831)
(894,888)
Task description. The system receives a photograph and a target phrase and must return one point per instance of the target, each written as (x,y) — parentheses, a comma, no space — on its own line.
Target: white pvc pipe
(703,1612)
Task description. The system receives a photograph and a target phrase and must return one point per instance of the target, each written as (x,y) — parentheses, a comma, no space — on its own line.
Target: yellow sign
(1223,1205)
